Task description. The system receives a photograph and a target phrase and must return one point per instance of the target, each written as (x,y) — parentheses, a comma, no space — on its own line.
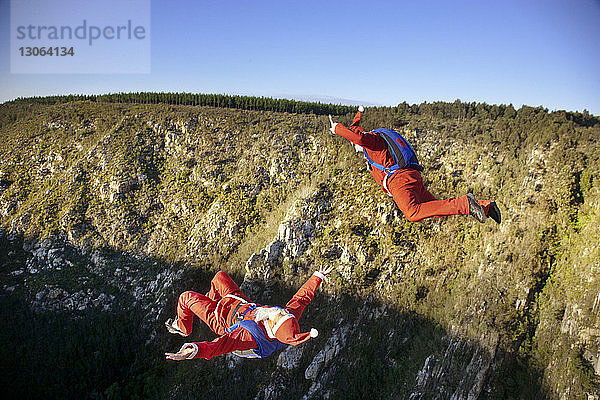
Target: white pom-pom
(361,108)
(314,332)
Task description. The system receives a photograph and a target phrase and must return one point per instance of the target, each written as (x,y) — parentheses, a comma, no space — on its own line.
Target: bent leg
(415,211)
(192,303)
(417,203)
(222,285)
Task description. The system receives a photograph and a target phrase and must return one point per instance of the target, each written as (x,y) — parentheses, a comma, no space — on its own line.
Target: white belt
(233,296)
(385,187)
(230,296)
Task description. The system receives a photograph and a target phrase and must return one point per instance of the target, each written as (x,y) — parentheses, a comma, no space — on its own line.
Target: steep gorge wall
(109,210)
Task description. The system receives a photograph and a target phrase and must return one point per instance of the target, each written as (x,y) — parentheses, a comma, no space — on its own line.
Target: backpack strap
(379,166)
(236,317)
(234,313)
(233,296)
(265,347)
(388,171)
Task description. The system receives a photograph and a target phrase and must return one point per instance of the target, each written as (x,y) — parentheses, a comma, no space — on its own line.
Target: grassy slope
(208,187)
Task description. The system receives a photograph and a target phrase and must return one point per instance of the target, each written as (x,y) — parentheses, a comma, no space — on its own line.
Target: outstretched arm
(366,139)
(184,352)
(239,339)
(306,293)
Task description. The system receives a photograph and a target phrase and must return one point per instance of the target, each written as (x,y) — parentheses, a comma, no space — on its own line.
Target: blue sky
(380,52)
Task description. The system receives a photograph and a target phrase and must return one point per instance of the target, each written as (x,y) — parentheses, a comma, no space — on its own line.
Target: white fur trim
(332,129)
(245,353)
(319,274)
(268,329)
(194,345)
(385,186)
(233,296)
(264,317)
(280,322)
(263,313)
(361,108)
(314,333)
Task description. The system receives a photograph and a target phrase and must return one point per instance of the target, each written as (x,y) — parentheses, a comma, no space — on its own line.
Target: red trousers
(414,200)
(204,306)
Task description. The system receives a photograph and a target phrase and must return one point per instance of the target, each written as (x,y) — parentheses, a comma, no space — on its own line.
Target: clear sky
(529,52)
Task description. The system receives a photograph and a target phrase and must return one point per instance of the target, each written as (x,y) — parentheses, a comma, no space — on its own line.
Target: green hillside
(112,206)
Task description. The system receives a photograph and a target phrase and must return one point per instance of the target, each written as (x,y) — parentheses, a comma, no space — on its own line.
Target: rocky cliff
(109,211)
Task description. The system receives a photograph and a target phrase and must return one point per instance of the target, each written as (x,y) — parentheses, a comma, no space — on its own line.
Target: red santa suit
(225,304)
(406,185)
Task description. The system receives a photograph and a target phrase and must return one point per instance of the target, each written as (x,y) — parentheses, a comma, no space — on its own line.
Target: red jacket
(374,145)
(241,339)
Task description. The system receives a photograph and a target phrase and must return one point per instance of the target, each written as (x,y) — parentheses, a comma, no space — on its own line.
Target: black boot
(475,208)
(494,212)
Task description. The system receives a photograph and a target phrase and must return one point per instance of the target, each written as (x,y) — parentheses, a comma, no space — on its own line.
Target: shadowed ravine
(365,348)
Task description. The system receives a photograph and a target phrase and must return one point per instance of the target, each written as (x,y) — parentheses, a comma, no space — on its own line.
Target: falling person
(245,329)
(394,165)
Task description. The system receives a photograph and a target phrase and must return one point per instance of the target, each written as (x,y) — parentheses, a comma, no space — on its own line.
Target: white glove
(361,108)
(325,270)
(333,124)
(185,352)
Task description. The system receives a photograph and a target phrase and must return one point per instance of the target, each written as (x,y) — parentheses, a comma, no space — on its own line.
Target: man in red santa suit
(405,184)
(245,329)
